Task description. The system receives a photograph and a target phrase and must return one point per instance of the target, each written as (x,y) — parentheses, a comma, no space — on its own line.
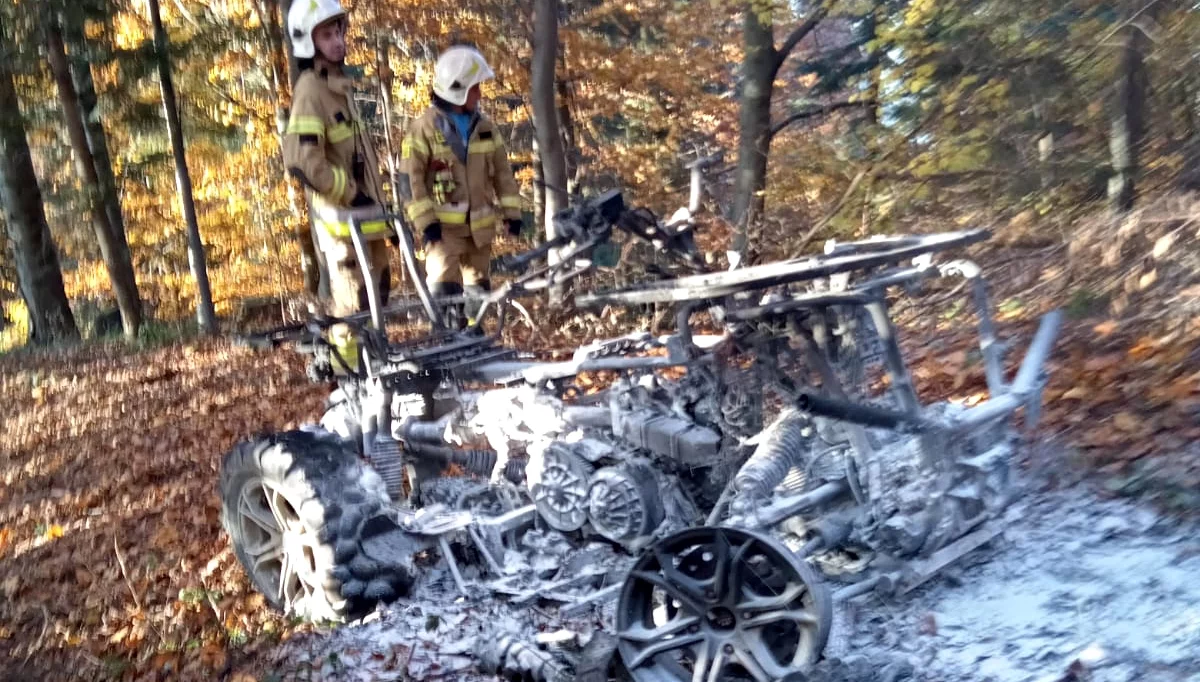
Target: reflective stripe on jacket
(327,148)
(446,181)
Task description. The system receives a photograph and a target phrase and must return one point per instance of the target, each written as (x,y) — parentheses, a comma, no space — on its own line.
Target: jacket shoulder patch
(340,117)
(310,139)
(485,135)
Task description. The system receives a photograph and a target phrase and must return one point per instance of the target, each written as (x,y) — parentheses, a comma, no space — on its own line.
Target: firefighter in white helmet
(326,147)
(456,180)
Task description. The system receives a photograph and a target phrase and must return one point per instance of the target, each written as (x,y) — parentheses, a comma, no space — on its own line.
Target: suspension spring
(478,462)
(782,448)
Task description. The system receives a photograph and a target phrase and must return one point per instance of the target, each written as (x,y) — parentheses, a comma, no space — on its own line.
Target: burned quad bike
(725,490)
(323,519)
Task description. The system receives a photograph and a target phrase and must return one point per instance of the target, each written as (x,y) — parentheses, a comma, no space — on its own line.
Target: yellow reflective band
(418,207)
(441,151)
(452,218)
(340,132)
(483,223)
(484,147)
(412,146)
(339,182)
(342,229)
(306,125)
(346,346)
(510,201)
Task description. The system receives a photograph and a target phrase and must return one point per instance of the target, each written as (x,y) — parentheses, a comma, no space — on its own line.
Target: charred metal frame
(796,308)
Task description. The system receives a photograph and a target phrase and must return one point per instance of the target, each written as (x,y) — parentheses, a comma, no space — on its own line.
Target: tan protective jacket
(327,148)
(443,180)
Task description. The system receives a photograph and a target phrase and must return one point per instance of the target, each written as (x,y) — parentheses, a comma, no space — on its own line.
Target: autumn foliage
(987,113)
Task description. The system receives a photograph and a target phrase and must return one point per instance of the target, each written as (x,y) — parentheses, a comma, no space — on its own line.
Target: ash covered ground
(1078,588)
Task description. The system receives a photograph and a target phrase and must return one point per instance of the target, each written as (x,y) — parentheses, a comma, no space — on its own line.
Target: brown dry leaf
(242,677)
(1163,245)
(1127,422)
(1100,363)
(213,656)
(166,536)
(1106,328)
(1147,279)
(956,360)
(166,661)
(1077,393)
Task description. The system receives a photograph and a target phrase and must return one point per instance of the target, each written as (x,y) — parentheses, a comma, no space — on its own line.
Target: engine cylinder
(623,502)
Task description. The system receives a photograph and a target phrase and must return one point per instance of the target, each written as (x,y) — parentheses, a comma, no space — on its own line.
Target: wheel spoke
(745,657)
(640,633)
(651,651)
(721,552)
(776,602)
(780,616)
(703,654)
(674,591)
(269,548)
(688,586)
(710,669)
(285,576)
(737,565)
(262,516)
(277,501)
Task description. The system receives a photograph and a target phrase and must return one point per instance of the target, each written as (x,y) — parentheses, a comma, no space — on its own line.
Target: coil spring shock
(483,462)
(782,448)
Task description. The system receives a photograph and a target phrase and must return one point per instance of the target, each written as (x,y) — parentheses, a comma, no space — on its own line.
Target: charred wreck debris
(713,522)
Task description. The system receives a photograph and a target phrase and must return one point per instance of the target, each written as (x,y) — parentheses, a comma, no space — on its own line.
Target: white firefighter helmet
(305,16)
(457,71)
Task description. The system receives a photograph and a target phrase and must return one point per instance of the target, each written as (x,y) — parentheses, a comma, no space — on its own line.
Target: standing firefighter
(327,148)
(457,181)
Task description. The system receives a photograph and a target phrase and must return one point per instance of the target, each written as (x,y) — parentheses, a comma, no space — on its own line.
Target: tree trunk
(383,70)
(539,187)
(1128,119)
(39,275)
(97,140)
(758,80)
(545,113)
(570,144)
(113,249)
(285,7)
(204,304)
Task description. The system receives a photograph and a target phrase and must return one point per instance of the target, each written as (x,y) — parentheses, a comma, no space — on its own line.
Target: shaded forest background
(143,190)
(835,120)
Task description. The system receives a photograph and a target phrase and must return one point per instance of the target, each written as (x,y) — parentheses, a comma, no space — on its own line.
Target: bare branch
(817,111)
(799,34)
(870,171)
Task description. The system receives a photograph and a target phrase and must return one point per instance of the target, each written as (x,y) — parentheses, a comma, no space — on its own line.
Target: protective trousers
(348,289)
(457,258)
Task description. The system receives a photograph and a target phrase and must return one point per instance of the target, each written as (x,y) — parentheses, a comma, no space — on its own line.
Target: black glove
(361,200)
(433,232)
(515,225)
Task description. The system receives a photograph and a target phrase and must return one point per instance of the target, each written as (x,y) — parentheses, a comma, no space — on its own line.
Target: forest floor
(113,564)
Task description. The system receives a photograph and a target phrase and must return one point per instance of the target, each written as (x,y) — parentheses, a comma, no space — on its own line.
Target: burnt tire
(308,520)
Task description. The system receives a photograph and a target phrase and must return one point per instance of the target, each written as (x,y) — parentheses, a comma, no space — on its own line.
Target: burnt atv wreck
(711,505)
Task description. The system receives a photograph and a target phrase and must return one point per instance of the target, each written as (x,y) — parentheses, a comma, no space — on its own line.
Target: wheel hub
(720,604)
(282,546)
(721,619)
